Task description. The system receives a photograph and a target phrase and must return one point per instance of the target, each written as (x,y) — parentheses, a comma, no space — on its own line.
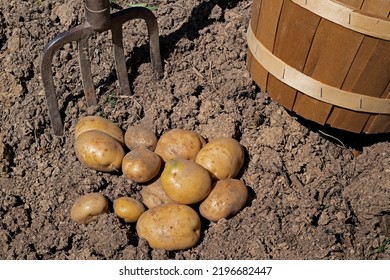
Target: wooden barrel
(326,60)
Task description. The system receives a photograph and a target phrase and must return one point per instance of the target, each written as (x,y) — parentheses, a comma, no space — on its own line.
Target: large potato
(141,165)
(99,151)
(179,143)
(225,200)
(102,124)
(153,195)
(185,181)
(223,157)
(88,207)
(138,136)
(169,227)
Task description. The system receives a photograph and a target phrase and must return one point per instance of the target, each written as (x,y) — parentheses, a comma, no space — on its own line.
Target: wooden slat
(333,51)
(357,4)
(296,30)
(265,29)
(369,74)
(379,8)
(379,123)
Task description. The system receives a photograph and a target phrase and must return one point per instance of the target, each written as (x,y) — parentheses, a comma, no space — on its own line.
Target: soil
(315,192)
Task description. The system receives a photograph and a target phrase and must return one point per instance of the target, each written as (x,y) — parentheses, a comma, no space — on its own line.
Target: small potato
(170,227)
(223,157)
(137,136)
(179,143)
(99,151)
(87,208)
(225,200)
(129,209)
(102,124)
(141,165)
(153,195)
(185,181)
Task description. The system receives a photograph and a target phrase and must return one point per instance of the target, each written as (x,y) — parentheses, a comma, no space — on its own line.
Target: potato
(102,124)
(223,157)
(137,136)
(185,181)
(153,195)
(141,165)
(129,209)
(179,143)
(169,227)
(225,200)
(87,208)
(99,151)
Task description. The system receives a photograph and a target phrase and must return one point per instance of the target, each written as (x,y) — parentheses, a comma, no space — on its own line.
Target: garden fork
(98,19)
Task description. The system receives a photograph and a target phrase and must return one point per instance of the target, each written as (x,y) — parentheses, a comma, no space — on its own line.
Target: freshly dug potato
(138,136)
(179,143)
(129,209)
(169,227)
(223,157)
(225,200)
(99,151)
(141,165)
(153,195)
(185,181)
(102,124)
(87,208)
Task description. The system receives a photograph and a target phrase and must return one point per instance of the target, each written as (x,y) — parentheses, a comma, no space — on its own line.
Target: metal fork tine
(86,75)
(152,25)
(120,60)
(77,33)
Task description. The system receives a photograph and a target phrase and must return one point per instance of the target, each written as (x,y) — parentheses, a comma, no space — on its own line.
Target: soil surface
(315,193)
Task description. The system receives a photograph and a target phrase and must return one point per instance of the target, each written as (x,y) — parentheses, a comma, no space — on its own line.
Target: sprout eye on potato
(223,157)
(99,151)
(179,143)
(169,227)
(87,208)
(137,137)
(102,124)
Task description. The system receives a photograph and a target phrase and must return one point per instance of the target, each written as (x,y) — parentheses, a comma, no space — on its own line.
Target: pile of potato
(182,176)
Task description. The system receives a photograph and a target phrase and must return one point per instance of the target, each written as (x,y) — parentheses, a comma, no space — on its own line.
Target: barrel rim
(348,17)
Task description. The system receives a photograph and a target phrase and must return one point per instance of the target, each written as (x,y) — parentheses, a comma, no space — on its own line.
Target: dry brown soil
(315,193)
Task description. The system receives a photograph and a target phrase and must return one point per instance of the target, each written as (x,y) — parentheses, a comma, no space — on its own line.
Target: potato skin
(99,151)
(88,207)
(98,123)
(185,181)
(179,143)
(225,200)
(129,209)
(138,136)
(169,227)
(141,165)
(223,157)
(153,195)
